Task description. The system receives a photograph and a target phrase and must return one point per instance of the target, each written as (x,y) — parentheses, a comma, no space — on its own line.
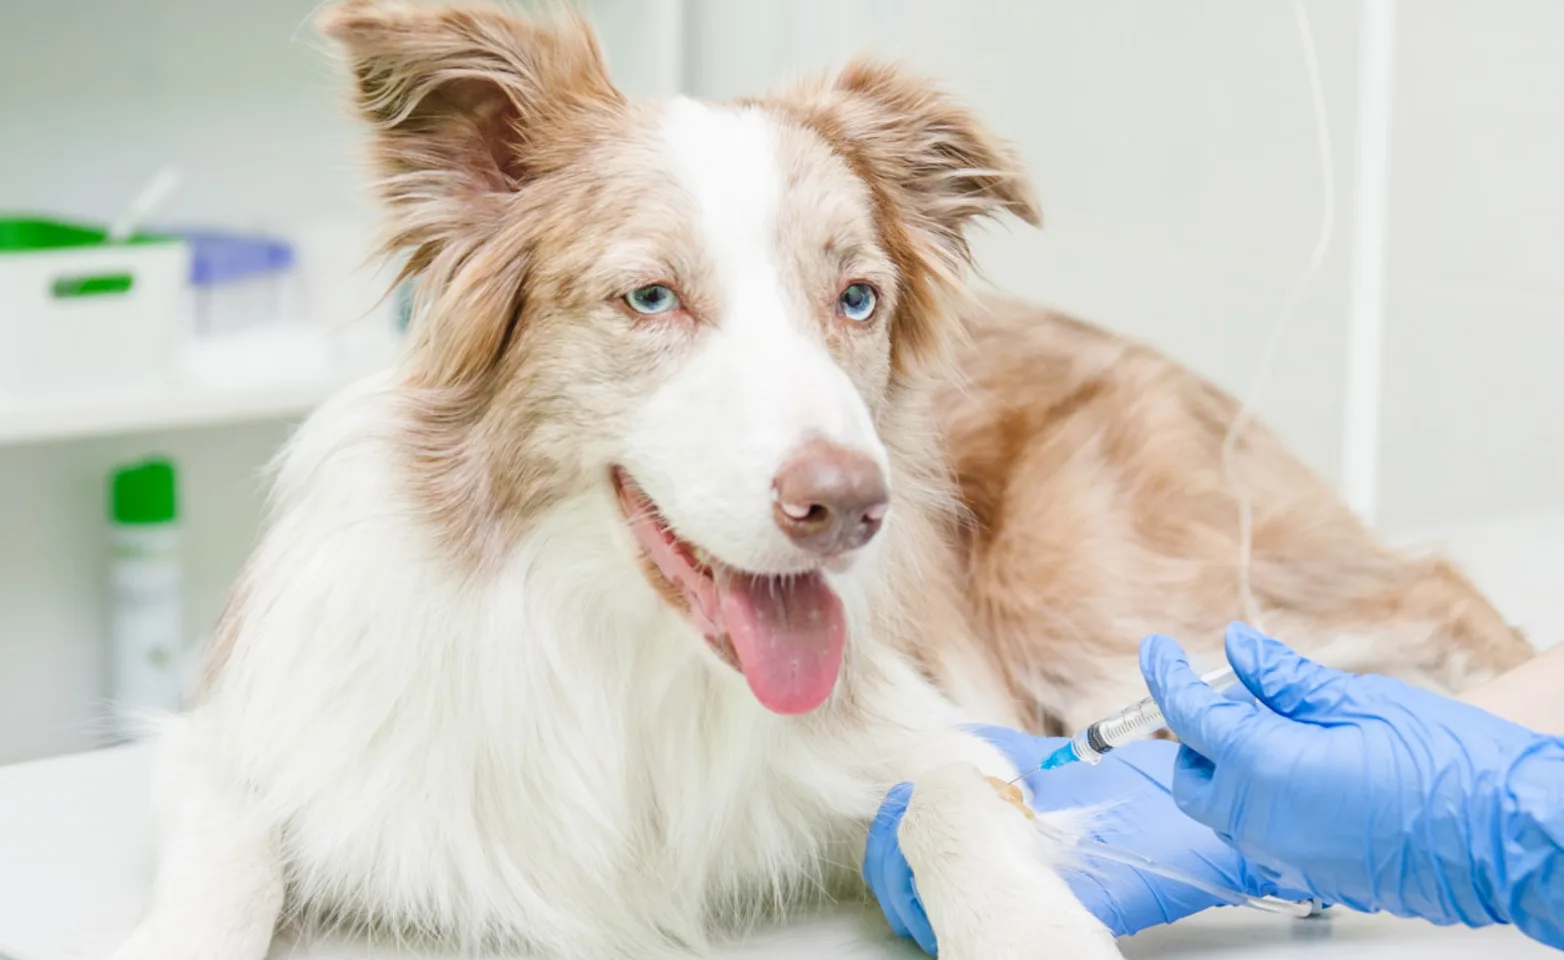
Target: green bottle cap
(145,492)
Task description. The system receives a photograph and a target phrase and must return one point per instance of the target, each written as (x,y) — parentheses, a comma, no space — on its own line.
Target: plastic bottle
(146,622)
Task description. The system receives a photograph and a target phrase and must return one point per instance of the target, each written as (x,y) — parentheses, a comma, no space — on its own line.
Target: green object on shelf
(92,285)
(34,234)
(145,492)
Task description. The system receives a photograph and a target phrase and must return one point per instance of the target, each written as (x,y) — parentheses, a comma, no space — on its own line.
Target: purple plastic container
(240,281)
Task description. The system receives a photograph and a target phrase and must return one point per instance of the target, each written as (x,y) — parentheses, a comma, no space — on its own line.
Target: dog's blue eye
(857,302)
(655,298)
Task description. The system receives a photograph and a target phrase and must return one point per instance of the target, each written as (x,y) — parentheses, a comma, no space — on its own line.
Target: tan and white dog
(704,506)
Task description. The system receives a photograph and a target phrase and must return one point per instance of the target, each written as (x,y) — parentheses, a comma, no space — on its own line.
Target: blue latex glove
(1140,816)
(1383,796)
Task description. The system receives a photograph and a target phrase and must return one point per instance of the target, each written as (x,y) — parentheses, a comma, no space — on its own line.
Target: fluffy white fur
(547,759)
(540,754)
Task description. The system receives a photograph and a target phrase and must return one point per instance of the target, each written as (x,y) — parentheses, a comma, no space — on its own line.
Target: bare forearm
(1531,695)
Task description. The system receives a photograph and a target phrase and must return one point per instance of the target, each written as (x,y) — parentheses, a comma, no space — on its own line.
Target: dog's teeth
(701,555)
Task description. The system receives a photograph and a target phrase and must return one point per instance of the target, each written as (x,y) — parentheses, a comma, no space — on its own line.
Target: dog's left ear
(921,146)
(932,167)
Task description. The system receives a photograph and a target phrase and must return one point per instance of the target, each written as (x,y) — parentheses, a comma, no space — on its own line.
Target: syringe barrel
(1135,722)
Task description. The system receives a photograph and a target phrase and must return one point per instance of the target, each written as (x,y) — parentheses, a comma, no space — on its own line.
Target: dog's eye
(651,299)
(857,302)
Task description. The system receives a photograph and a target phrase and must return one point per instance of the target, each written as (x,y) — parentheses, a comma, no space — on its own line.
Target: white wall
(1475,400)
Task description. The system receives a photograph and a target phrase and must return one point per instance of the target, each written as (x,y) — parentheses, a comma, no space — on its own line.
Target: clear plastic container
(78,313)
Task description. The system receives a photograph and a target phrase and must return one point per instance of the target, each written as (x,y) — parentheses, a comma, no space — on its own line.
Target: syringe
(1135,722)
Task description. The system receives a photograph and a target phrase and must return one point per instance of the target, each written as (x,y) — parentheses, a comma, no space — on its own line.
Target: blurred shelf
(167,407)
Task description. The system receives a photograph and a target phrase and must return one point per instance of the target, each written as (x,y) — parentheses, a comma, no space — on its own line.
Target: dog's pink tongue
(788,633)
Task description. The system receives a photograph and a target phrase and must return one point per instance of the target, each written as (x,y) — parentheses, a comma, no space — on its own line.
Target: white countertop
(76,860)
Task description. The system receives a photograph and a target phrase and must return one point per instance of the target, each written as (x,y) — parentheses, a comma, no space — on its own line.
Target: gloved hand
(1383,796)
(1132,787)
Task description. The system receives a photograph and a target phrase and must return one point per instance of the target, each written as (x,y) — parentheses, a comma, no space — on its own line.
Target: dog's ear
(932,167)
(922,147)
(456,96)
(465,105)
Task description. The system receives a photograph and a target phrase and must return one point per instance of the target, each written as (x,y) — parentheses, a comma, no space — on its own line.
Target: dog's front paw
(984,879)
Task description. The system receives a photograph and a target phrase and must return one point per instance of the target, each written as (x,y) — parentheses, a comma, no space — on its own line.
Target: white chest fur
(546,754)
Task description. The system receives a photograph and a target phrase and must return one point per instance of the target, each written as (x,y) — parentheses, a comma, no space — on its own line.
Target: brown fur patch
(1091,467)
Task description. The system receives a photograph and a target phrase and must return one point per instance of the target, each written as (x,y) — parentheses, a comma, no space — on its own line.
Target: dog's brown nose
(829,499)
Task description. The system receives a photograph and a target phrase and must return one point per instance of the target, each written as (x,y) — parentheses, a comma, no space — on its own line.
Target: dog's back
(1099,513)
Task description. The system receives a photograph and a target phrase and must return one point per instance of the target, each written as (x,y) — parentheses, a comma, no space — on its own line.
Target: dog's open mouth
(784,632)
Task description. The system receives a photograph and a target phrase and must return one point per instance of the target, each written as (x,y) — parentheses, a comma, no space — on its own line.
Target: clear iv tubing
(1101,851)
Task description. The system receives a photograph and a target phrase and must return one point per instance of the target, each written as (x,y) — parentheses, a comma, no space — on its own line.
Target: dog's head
(709,308)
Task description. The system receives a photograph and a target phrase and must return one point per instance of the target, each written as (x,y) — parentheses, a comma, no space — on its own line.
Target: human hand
(1133,811)
(1130,793)
(1378,793)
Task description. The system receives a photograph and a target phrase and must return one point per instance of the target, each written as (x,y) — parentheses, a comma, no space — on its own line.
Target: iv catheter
(1135,722)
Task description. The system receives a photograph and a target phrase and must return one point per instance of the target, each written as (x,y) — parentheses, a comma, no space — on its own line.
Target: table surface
(76,860)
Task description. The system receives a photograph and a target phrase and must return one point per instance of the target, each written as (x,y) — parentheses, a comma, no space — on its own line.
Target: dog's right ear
(457,98)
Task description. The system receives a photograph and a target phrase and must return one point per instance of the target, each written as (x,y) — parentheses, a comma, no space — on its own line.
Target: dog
(706,503)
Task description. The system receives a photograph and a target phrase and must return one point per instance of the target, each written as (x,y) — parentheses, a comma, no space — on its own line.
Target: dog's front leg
(219,887)
(984,877)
